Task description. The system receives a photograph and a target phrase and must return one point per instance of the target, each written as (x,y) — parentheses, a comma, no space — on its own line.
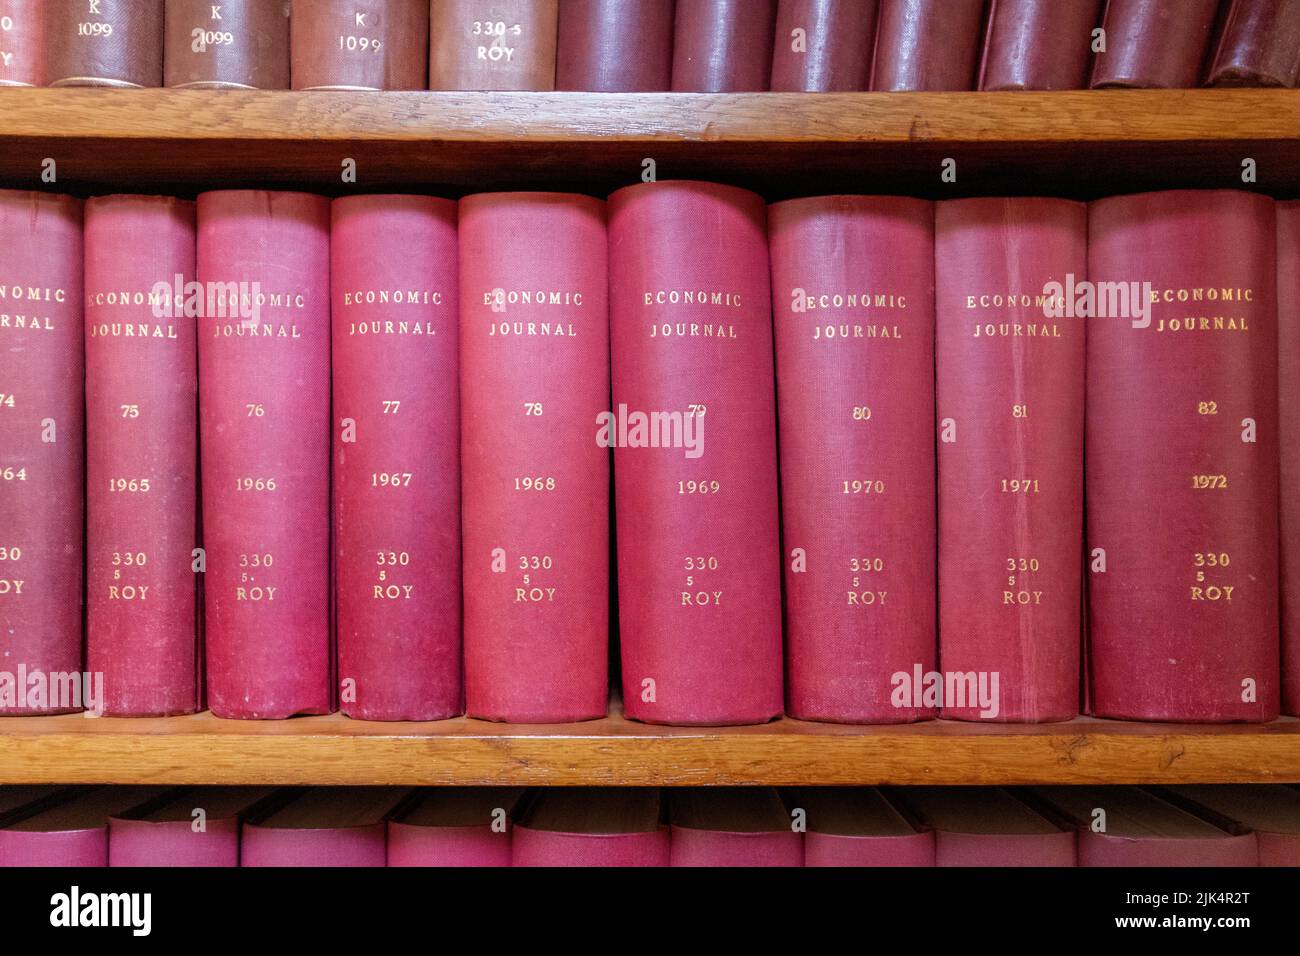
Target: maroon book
(264,410)
(1288,313)
(1271,810)
(1038,44)
(1259,45)
(853,296)
(115,43)
(1182,459)
(615,46)
(726,826)
(698,552)
(22,26)
(723,46)
(927,45)
(823,46)
(41,457)
(989,826)
(68,829)
(322,826)
(237,44)
(359,44)
(1009,383)
(141,454)
(454,826)
(1154,43)
(592,826)
(396,456)
(534,352)
(859,827)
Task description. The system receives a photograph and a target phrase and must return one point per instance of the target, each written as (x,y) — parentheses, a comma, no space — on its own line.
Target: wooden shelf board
(202,749)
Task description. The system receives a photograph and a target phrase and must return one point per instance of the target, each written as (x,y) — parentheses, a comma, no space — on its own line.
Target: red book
(927,45)
(22,24)
(859,827)
(1182,459)
(454,826)
(396,456)
(1009,383)
(1126,826)
(823,46)
(1288,312)
(69,828)
(141,454)
(698,550)
(1154,43)
(853,295)
(198,826)
(322,826)
(592,826)
(989,826)
(1259,45)
(114,43)
(615,46)
(1271,810)
(724,826)
(723,46)
(1038,44)
(534,352)
(41,457)
(264,347)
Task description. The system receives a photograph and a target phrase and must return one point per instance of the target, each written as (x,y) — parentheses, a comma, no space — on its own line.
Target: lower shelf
(202,749)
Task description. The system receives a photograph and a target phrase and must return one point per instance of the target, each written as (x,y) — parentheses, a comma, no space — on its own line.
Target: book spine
(1259,45)
(335,846)
(396,456)
(359,44)
(546,848)
(141,454)
(1154,43)
(493,44)
(1009,384)
(410,845)
(853,296)
(238,44)
(62,848)
(264,348)
(1101,849)
(1288,291)
(41,441)
(1006,849)
(723,46)
(22,25)
(106,43)
(927,45)
(173,843)
(1182,458)
(692,847)
(1038,44)
(534,351)
(698,551)
(615,46)
(833,849)
(823,46)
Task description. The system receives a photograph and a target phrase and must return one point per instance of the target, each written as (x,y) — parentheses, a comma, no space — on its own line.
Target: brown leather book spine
(723,46)
(492,44)
(1158,44)
(615,46)
(236,44)
(1038,44)
(930,45)
(1259,44)
(359,44)
(823,46)
(21,25)
(104,42)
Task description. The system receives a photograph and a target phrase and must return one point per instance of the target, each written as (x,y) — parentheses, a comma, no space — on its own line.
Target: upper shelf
(1073,143)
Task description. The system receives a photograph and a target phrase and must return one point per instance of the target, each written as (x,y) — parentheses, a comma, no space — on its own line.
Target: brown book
(1038,44)
(492,44)
(723,46)
(105,43)
(359,44)
(930,45)
(1258,45)
(1154,43)
(615,46)
(237,44)
(21,26)
(823,46)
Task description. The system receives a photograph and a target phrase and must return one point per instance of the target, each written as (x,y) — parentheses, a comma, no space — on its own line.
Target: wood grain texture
(201,749)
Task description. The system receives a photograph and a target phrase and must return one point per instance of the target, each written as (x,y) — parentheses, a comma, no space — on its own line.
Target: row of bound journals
(933,386)
(651,45)
(1196,826)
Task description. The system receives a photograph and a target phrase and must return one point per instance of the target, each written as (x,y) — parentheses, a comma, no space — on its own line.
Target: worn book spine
(364,845)
(142,454)
(359,44)
(823,46)
(615,46)
(1288,314)
(927,45)
(492,44)
(723,46)
(22,26)
(104,43)
(1259,45)
(1154,43)
(237,44)
(1038,44)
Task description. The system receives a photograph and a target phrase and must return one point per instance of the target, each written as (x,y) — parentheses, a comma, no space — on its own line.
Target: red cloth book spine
(1038,44)
(470,846)
(364,845)
(1259,45)
(534,351)
(263,263)
(142,454)
(839,850)
(853,297)
(698,550)
(531,847)
(22,24)
(927,45)
(1009,383)
(1288,312)
(1103,849)
(173,842)
(1182,460)
(1154,43)
(42,482)
(723,46)
(396,456)
(115,43)
(72,848)
(359,44)
(615,46)
(823,46)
